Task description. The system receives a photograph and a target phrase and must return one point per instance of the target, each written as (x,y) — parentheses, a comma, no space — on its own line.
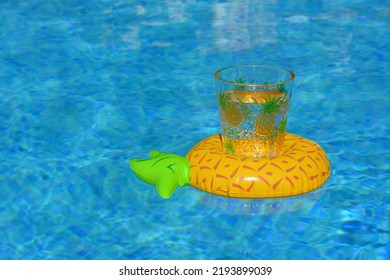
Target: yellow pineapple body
(302,167)
(265,123)
(232,115)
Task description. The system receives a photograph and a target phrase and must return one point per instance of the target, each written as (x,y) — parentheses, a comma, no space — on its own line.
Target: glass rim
(292,75)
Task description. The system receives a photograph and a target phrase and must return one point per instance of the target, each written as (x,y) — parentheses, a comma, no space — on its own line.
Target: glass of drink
(253,102)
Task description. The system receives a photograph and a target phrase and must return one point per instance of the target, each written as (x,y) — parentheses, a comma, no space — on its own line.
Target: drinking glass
(253,103)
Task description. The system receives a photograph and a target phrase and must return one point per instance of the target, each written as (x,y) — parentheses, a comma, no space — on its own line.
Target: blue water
(87,85)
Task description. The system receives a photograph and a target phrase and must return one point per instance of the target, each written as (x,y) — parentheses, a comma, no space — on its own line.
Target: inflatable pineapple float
(302,167)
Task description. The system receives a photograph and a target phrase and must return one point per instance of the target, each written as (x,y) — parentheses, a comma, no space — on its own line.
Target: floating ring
(302,167)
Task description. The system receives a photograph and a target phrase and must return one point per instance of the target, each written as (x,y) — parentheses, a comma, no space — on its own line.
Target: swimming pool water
(87,85)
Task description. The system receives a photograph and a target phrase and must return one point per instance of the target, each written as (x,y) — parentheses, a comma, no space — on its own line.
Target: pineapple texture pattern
(302,167)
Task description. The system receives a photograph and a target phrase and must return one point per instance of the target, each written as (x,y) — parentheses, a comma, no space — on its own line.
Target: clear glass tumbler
(253,102)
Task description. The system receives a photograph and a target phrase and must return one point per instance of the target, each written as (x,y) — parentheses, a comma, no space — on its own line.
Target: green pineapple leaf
(282,89)
(271,105)
(223,99)
(229,147)
(282,124)
(239,80)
